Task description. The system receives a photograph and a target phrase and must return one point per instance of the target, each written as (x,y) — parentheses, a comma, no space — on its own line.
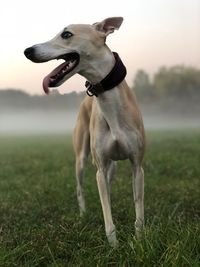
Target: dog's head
(75,44)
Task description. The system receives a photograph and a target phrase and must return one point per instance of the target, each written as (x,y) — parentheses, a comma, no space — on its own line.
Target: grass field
(39,219)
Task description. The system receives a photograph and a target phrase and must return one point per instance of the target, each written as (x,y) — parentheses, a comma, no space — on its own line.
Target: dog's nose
(29,52)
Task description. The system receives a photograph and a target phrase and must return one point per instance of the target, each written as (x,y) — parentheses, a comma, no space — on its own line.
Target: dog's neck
(112,79)
(96,67)
(110,103)
(112,106)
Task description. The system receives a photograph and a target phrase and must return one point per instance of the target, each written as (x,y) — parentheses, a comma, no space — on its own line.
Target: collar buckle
(94,89)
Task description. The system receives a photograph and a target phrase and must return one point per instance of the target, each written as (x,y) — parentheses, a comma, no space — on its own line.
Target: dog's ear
(108,25)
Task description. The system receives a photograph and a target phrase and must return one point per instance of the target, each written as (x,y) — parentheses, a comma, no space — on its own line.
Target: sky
(154,33)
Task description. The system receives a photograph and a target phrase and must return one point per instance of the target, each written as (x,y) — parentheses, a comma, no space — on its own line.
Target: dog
(109,123)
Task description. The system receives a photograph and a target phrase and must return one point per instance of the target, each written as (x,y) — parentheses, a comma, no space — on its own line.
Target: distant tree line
(178,83)
(17,100)
(171,89)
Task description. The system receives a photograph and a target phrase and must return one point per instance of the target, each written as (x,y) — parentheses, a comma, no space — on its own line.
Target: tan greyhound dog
(109,124)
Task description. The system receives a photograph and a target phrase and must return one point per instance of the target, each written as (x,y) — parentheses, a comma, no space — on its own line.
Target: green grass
(39,218)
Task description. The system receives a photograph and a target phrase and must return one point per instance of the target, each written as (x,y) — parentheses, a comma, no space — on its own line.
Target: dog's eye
(66,35)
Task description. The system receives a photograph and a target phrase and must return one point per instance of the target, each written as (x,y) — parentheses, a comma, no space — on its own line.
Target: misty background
(168,99)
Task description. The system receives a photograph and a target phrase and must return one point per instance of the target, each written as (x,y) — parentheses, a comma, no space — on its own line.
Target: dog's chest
(117,146)
(113,132)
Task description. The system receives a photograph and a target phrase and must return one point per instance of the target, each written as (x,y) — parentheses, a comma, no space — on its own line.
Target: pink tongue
(45,84)
(46,80)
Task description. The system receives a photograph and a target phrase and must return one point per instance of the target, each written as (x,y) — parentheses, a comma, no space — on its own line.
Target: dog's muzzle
(30,54)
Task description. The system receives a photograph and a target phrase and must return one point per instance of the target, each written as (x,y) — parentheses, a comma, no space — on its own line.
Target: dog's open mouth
(57,75)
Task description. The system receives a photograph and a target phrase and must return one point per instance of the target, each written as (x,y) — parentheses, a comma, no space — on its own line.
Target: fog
(32,122)
(41,122)
(165,121)
(21,113)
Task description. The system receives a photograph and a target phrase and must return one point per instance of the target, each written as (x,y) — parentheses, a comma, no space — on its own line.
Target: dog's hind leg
(80,166)
(82,149)
(138,193)
(81,141)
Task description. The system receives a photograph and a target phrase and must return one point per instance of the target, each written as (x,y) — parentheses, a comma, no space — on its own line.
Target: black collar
(115,77)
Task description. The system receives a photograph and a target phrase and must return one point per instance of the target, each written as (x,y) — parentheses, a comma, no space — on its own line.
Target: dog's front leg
(105,203)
